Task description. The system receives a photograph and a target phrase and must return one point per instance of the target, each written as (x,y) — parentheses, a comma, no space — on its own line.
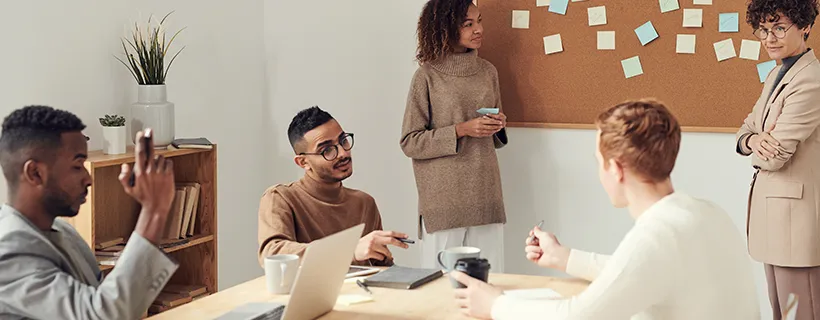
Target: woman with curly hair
(451,145)
(782,136)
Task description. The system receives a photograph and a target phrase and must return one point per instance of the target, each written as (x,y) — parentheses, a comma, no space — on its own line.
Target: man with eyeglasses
(318,205)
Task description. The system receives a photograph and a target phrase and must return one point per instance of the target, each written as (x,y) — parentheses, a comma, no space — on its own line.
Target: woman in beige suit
(782,136)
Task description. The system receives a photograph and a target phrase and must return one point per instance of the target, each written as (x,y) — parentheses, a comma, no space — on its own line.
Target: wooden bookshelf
(110,213)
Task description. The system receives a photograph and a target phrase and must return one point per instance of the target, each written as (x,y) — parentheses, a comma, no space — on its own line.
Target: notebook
(194,143)
(398,277)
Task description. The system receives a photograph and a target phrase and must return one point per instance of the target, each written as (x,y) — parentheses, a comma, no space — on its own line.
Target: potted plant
(147,64)
(113,134)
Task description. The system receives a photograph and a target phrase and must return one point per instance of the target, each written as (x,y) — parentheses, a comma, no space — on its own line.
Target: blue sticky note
(646,33)
(729,22)
(764,68)
(559,6)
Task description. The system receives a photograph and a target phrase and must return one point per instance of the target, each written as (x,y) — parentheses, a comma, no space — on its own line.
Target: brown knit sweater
(458,180)
(293,215)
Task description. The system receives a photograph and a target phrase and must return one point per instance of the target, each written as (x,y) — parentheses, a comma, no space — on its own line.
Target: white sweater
(683,259)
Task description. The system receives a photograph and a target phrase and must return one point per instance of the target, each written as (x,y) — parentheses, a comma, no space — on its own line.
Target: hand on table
(543,249)
(477,299)
(765,146)
(374,245)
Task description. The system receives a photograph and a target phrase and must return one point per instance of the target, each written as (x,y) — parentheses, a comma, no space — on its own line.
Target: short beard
(55,203)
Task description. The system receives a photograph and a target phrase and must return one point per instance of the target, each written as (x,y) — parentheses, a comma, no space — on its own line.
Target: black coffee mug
(474,267)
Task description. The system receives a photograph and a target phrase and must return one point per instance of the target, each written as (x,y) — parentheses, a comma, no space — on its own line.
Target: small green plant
(148,67)
(112,121)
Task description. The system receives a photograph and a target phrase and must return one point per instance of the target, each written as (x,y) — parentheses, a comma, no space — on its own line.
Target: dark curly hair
(438,28)
(801,12)
(304,121)
(33,132)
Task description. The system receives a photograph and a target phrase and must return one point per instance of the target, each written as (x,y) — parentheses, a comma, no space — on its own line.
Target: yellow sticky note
(351,299)
(542,3)
(552,44)
(521,19)
(693,18)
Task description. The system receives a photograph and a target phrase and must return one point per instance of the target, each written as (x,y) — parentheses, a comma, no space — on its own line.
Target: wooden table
(431,301)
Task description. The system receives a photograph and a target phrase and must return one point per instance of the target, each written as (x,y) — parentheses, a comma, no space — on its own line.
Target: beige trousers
(803,282)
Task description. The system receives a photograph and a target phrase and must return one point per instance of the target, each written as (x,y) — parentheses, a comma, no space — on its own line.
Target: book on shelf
(191,143)
(174,295)
(182,218)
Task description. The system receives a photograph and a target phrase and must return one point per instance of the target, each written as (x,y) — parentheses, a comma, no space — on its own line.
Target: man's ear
(616,169)
(301,161)
(34,172)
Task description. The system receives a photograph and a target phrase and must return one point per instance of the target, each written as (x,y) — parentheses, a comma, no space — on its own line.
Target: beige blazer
(783,225)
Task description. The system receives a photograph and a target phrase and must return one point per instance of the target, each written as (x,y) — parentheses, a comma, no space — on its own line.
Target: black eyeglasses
(331,152)
(778,32)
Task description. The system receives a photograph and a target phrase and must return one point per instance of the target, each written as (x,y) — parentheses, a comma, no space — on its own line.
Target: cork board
(569,88)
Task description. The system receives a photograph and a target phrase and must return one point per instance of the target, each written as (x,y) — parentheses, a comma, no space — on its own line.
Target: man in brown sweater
(318,205)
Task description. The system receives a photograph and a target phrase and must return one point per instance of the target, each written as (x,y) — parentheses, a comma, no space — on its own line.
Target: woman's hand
(765,146)
(500,117)
(479,127)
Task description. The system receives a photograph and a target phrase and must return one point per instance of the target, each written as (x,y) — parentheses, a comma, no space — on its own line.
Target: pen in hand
(364,286)
(530,239)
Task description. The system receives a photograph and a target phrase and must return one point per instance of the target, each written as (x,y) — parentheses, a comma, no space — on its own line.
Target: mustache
(341,162)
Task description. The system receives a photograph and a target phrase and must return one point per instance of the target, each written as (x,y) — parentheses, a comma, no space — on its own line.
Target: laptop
(318,281)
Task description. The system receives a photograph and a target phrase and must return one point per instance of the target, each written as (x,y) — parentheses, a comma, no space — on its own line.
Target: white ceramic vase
(152,110)
(114,140)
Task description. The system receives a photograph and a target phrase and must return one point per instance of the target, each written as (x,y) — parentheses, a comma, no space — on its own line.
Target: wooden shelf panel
(97,159)
(192,241)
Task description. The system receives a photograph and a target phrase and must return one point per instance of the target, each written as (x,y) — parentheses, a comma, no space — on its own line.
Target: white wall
(355,60)
(59,53)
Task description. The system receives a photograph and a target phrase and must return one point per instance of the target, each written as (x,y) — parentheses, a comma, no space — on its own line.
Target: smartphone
(486,111)
(358,271)
(145,142)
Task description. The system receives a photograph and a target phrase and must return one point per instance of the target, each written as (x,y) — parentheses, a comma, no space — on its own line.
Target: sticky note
(552,44)
(685,44)
(351,299)
(764,68)
(521,19)
(703,2)
(646,33)
(559,6)
(729,22)
(669,5)
(749,49)
(725,49)
(596,15)
(542,3)
(606,40)
(693,18)
(632,67)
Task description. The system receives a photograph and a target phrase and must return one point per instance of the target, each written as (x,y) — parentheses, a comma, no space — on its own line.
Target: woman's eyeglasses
(778,31)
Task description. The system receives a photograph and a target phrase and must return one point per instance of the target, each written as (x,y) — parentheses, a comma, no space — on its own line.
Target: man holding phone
(48,270)
(293,215)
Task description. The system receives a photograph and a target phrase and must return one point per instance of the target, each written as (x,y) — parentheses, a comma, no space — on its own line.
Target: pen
(406,240)
(540,224)
(364,286)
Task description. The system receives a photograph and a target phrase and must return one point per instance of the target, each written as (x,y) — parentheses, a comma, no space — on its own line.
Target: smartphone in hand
(145,145)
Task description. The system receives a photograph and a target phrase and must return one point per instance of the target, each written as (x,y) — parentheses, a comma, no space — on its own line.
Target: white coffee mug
(280,271)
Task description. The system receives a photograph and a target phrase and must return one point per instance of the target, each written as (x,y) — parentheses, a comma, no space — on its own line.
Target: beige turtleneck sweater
(458,180)
(292,215)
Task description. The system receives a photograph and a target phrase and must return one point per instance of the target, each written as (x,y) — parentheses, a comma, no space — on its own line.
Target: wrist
(459,130)
(151,225)
(560,258)
(748,139)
